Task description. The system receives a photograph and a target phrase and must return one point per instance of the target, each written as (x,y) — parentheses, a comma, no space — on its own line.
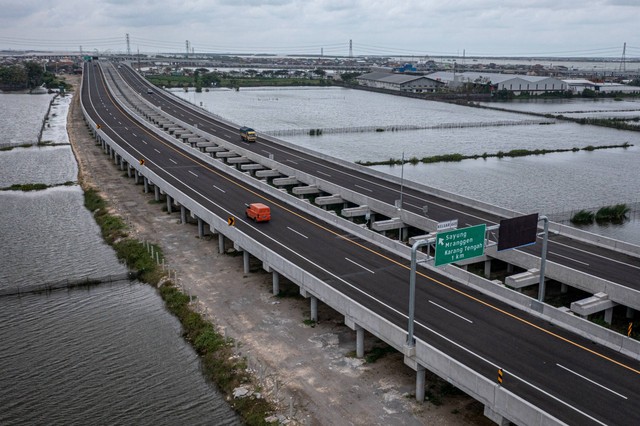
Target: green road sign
(459,244)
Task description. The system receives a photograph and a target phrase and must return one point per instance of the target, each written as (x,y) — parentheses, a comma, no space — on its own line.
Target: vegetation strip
(615,214)
(33,186)
(219,364)
(499,154)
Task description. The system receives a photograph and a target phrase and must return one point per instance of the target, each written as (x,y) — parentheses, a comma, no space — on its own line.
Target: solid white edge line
(382,303)
(591,381)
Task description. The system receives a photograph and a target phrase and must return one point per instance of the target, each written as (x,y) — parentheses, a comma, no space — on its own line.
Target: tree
(35,74)
(13,77)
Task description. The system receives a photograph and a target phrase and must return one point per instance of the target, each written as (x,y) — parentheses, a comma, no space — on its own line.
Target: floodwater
(107,354)
(552,184)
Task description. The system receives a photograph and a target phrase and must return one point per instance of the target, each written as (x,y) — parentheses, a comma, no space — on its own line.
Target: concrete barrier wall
(565,320)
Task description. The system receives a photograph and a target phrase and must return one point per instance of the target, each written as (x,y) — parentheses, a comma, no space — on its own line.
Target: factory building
(400,82)
(511,82)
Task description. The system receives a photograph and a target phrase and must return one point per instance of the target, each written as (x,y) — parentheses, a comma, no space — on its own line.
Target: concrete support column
(169,202)
(314,308)
(136,174)
(487,268)
(564,288)
(183,214)
(245,261)
(121,163)
(608,315)
(220,243)
(359,341)
(116,158)
(509,268)
(630,312)
(200,228)
(146,185)
(420,379)
(156,192)
(129,170)
(276,283)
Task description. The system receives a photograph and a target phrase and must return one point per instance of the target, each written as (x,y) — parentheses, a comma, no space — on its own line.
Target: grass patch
(500,154)
(219,363)
(26,187)
(378,352)
(583,217)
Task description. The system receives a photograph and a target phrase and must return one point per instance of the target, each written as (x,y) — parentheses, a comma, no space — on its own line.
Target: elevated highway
(579,259)
(551,376)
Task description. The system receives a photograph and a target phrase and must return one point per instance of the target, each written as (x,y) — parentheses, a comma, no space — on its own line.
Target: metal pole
(401,180)
(412,290)
(543,257)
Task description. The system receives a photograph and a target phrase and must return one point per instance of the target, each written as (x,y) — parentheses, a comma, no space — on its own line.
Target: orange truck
(258,212)
(247,134)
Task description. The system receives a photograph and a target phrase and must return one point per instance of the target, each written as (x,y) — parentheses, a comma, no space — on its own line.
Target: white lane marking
(321,173)
(591,381)
(363,187)
(357,264)
(220,189)
(173,161)
(450,311)
(120,123)
(226,135)
(291,161)
(299,233)
(156,150)
(193,173)
(404,203)
(593,254)
(402,314)
(126,128)
(569,258)
(134,135)
(144,142)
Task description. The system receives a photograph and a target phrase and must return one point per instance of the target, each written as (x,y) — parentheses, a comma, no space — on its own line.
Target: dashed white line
(357,264)
(591,381)
(173,161)
(363,187)
(568,258)
(299,233)
(134,135)
(156,150)
(126,128)
(193,173)
(323,174)
(291,161)
(220,189)
(144,142)
(450,311)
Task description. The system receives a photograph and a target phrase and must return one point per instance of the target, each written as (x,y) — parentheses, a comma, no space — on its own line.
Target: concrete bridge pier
(630,312)
(169,201)
(129,174)
(146,185)
(201,231)
(220,243)
(245,261)
(359,341)
(487,268)
(275,277)
(314,308)
(116,158)
(156,192)
(495,417)
(183,214)
(136,176)
(509,268)
(420,380)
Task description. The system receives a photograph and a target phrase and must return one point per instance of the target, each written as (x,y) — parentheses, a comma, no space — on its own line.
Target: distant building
(400,82)
(512,82)
(577,86)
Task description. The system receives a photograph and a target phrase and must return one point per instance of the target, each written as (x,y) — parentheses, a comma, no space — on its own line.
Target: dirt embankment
(313,368)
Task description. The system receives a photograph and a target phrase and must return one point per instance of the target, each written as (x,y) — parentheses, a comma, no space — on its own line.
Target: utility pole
(351,48)
(128,46)
(187,45)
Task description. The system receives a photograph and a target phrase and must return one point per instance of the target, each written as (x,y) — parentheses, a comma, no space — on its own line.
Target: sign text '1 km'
(459,244)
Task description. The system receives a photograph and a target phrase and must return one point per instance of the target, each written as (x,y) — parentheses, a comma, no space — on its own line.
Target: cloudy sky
(570,28)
